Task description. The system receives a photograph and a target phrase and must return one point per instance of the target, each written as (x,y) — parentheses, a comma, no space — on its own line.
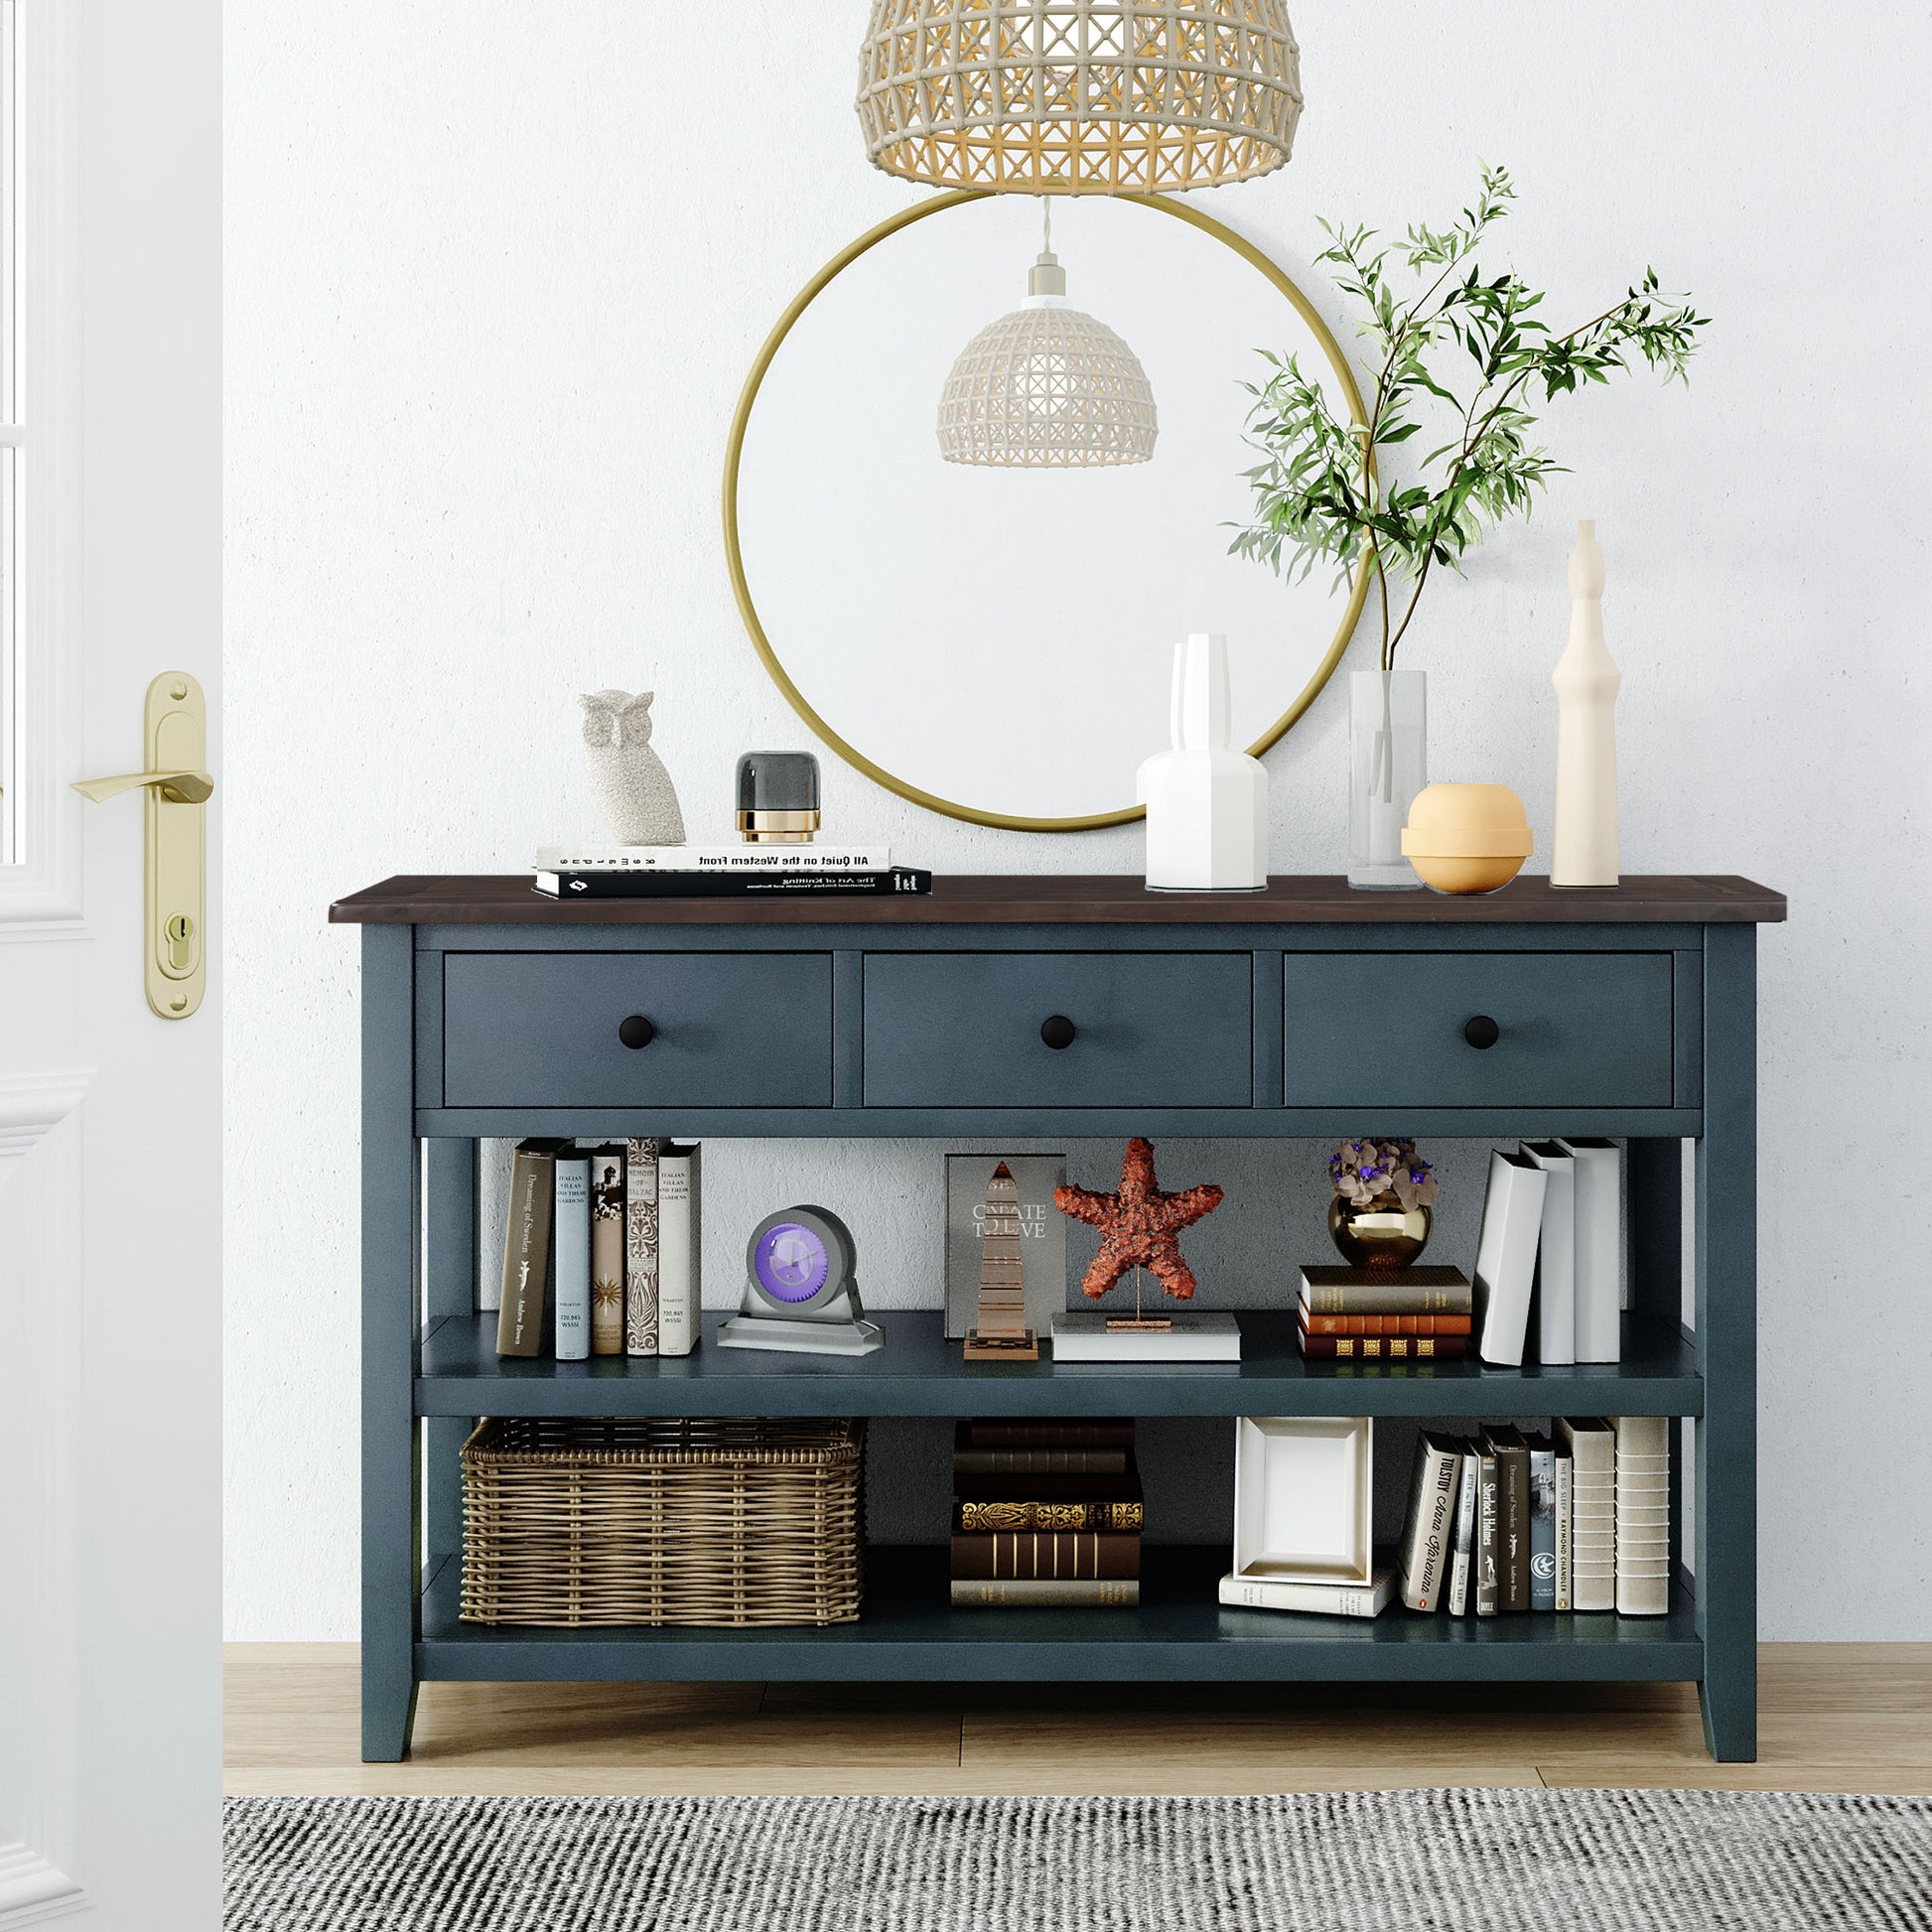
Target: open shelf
(919,1373)
(908,1630)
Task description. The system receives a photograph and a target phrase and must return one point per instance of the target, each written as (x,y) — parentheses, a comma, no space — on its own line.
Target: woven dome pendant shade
(1080,96)
(1047,388)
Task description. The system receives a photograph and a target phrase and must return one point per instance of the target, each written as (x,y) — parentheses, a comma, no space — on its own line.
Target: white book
(1566,1522)
(1192,1339)
(1512,1215)
(1457,1597)
(1642,1515)
(1599,1249)
(572,1297)
(1591,1444)
(679,1245)
(1556,1255)
(713,858)
(1430,1522)
(1371,1599)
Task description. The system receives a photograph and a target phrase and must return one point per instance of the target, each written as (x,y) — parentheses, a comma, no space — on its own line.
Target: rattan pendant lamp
(1046,386)
(1080,96)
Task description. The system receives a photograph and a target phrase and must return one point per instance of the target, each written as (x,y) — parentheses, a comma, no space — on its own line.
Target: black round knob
(1482,1031)
(1056,1030)
(637,1030)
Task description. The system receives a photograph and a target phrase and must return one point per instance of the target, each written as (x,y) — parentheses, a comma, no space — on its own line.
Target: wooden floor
(1835,1717)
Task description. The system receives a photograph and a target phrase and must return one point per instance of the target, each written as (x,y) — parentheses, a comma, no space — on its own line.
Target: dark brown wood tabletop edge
(1055,899)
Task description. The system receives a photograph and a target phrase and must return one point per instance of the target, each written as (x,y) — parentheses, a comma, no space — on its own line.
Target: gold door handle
(177,787)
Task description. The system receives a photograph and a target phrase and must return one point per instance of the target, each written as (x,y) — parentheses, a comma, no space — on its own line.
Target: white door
(109,1115)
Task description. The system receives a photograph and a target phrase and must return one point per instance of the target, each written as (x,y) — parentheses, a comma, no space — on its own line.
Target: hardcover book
(1593,1449)
(1239,1591)
(733,884)
(1046,1594)
(1542,1522)
(1051,1435)
(606,1249)
(640,1258)
(1386,1324)
(571,1296)
(1565,1501)
(526,1248)
(1462,1559)
(1642,1514)
(1599,1248)
(1556,1254)
(968,1461)
(1488,1529)
(1512,1455)
(1384,1348)
(1043,1236)
(1022,1487)
(679,1249)
(713,858)
(1430,1523)
(1047,1553)
(971,1514)
(1330,1290)
(1512,1214)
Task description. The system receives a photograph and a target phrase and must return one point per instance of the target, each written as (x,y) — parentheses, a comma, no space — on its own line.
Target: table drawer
(1149,1029)
(1572,1030)
(727,1029)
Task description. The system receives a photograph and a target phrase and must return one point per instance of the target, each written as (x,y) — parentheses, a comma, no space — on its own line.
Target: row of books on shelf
(1045,1514)
(601,1250)
(1549,1275)
(1506,1521)
(589,871)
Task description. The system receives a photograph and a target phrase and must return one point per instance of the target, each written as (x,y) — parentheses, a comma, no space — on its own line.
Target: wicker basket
(727,1521)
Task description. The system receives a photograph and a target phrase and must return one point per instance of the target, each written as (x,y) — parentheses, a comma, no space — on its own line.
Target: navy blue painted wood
(1572,1030)
(919,1373)
(1180,1632)
(1726,1342)
(728,1030)
(448,1288)
(390,1329)
(1152,1029)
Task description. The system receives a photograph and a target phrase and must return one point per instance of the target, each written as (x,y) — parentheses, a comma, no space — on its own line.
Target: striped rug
(1474,1860)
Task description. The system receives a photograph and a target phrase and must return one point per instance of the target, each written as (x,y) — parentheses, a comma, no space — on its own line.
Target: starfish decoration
(1139,1226)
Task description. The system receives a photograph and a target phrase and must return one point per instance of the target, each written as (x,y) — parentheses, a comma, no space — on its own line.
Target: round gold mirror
(996,643)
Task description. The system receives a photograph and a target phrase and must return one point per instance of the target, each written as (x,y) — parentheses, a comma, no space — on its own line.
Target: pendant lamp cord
(1046,225)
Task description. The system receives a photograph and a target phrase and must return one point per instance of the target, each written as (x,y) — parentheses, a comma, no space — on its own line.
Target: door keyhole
(180,932)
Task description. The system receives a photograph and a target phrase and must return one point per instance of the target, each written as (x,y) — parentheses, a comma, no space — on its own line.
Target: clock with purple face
(799,1259)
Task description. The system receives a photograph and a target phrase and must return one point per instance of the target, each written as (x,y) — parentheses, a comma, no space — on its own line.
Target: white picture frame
(1304,1497)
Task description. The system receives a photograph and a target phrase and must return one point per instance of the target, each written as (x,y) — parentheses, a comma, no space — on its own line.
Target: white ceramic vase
(1585,850)
(627,779)
(1207,804)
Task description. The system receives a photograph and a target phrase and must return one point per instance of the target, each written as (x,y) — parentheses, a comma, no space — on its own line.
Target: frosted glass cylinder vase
(1386,766)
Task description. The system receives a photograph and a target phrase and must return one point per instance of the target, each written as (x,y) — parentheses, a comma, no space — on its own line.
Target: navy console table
(1307,1010)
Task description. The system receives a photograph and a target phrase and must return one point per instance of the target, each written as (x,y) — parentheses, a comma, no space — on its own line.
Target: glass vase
(1387,766)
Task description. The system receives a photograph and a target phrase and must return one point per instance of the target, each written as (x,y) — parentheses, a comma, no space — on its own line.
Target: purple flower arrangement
(1365,1171)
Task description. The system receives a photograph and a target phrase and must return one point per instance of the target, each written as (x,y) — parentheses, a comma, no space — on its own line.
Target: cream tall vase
(1587,681)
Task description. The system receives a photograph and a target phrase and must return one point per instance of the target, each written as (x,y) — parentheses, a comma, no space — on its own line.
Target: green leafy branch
(1462,349)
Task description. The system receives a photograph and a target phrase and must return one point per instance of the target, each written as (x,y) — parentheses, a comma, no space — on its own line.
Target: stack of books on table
(1385,1315)
(1045,1514)
(1508,1520)
(588,872)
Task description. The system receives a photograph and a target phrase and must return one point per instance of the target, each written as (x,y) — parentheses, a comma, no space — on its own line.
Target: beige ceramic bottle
(1584,849)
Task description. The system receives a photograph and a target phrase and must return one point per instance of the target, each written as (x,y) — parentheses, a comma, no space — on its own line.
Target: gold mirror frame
(735,561)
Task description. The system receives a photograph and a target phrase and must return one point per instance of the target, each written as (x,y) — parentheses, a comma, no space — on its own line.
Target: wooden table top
(1062,899)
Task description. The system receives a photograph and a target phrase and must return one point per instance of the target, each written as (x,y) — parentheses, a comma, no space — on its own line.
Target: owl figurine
(633,789)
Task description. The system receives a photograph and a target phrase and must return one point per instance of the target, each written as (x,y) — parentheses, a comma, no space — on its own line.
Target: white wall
(496,274)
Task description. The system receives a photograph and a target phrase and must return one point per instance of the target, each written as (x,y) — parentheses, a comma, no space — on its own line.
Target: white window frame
(41,891)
